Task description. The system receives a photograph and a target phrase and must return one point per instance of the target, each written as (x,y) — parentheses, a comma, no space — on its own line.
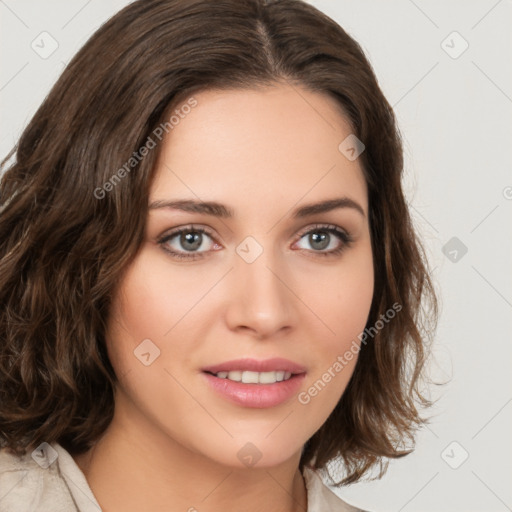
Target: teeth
(255,377)
(267,378)
(249,377)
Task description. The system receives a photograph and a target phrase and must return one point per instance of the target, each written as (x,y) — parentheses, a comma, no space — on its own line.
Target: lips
(252,365)
(258,396)
(257,384)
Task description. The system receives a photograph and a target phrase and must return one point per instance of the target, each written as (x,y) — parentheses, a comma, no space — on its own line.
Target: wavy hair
(63,249)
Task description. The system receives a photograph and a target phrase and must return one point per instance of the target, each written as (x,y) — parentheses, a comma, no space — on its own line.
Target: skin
(173,441)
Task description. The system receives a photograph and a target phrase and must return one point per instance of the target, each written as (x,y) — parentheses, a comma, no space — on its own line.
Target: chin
(258,453)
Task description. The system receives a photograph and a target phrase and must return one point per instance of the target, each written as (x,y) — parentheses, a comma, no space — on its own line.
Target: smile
(248,377)
(259,389)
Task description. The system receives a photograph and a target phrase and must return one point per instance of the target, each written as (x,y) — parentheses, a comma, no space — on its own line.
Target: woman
(209,279)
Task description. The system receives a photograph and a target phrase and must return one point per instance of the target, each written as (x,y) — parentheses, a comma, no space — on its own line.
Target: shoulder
(46,479)
(320,496)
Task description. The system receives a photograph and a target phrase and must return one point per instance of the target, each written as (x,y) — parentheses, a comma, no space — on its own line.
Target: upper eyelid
(177,231)
(209,232)
(319,226)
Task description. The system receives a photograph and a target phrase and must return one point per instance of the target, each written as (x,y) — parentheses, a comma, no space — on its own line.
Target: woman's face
(269,281)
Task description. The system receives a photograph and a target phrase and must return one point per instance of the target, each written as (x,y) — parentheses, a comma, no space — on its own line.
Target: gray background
(454,110)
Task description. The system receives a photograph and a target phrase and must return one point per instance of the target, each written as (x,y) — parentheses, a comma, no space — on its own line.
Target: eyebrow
(220,210)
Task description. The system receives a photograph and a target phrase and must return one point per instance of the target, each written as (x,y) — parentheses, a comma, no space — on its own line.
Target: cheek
(355,291)
(149,336)
(141,314)
(146,307)
(343,307)
(152,300)
(342,299)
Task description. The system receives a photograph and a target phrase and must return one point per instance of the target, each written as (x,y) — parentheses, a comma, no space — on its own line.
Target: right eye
(187,242)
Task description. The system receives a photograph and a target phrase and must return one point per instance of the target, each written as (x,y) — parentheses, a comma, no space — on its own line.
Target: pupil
(319,239)
(193,238)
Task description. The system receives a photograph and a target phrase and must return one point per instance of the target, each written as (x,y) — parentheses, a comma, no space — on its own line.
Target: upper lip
(253,365)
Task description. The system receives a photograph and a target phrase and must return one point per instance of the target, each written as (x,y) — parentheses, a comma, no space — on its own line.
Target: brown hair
(62,249)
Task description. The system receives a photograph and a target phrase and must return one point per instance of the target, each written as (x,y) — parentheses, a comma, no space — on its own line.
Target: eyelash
(342,235)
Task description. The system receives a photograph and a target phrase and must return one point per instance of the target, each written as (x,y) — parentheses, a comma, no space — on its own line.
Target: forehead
(258,147)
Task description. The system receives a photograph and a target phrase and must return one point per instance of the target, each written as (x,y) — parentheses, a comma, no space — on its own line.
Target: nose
(261,300)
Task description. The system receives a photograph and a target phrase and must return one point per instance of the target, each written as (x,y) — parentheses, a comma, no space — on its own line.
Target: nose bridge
(260,300)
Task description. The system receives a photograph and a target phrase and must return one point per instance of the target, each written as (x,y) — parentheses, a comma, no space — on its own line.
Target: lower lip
(258,396)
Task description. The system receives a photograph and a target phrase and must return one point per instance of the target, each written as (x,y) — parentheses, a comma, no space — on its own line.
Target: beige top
(50,481)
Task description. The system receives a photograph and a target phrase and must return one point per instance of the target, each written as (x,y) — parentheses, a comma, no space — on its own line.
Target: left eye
(326,239)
